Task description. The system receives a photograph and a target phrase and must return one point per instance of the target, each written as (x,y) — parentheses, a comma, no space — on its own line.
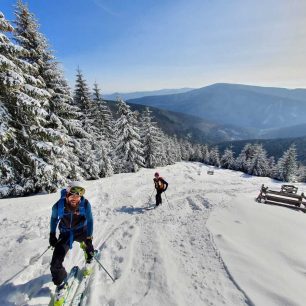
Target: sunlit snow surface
(211,244)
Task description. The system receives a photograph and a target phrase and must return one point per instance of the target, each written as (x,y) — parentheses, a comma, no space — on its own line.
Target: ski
(79,297)
(71,287)
(80,293)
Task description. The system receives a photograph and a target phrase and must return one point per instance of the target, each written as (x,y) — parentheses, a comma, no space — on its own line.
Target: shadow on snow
(11,294)
(134,210)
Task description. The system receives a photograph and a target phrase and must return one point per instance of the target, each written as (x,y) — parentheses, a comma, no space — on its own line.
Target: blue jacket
(71,221)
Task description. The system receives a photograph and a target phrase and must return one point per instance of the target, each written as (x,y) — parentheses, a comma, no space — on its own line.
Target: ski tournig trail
(163,256)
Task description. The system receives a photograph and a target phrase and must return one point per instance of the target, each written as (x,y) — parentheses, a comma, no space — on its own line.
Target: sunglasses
(76,191)
(73,195)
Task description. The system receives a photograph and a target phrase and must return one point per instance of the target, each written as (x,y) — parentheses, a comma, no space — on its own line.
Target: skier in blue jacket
(72,214)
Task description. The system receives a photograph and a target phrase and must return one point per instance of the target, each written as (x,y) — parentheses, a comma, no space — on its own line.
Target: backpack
(61,214)
(159,184)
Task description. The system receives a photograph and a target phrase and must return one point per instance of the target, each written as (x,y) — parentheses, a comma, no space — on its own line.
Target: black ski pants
(57,269)
(158,197)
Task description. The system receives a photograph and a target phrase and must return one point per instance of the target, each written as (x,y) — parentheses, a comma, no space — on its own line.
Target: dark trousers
(57,269)
(158,197)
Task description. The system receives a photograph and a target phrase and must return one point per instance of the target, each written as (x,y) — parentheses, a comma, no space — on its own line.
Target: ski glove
(52,239)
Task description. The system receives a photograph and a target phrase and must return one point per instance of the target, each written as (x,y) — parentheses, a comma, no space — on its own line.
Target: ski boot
(60,292)
(88,270)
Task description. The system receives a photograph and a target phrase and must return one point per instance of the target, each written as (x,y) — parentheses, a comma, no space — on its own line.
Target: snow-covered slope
(211,244)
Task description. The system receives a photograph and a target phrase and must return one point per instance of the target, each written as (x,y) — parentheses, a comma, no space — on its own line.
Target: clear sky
(132,45)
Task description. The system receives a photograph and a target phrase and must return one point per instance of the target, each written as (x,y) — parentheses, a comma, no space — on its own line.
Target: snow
(5,61)
(210,244)
(36,91)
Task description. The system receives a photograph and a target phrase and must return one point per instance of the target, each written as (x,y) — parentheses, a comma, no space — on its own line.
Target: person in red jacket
(160,185)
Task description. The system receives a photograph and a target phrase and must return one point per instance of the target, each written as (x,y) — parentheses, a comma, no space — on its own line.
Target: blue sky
(132,45)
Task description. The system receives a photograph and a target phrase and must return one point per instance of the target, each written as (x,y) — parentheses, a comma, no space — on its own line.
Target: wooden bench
(286,197)
(210,172)
(289,189)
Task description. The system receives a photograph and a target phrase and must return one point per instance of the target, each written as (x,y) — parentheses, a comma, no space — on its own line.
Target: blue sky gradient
(130,45)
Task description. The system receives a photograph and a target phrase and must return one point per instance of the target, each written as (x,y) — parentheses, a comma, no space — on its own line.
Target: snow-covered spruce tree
(287,165)
(9,80)
(214,157)
(301,172)
(63,117)
(104,118)
(152,141)
(186,149)
(176,149)
(129,152)
(259,164)
(205,154)
(170,150)
(227,160)
(24,101)
(90,154)
(104,124)
(244,158)
(62,122)
(7,176)
(7,135)
(271,162)
(197,153)
(51,146)
(103,121)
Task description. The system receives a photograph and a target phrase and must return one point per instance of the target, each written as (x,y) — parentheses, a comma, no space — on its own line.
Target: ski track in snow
(163,256)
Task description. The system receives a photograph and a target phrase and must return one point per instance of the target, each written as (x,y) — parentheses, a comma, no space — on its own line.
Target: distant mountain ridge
(139,94)
(244,106)
(286,132)
(199,130)
(196,129)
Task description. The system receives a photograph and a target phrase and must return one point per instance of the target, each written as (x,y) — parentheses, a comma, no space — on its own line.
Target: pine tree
(176,150)
(244,159)
(287,165)
(214,157)
(9,79)
(301,172)
(90,155)
(129,153)
(186,149)
(170,150)
(259,164)
(152,141)
(104,115)
(103,122)
(197,153)
(227,160)
(205,154)
(53,145)
(23,97)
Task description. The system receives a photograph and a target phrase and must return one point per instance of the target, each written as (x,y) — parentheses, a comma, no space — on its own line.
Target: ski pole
(150,197)
(167,199)
(35,258)
(31,262)
(95,258)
